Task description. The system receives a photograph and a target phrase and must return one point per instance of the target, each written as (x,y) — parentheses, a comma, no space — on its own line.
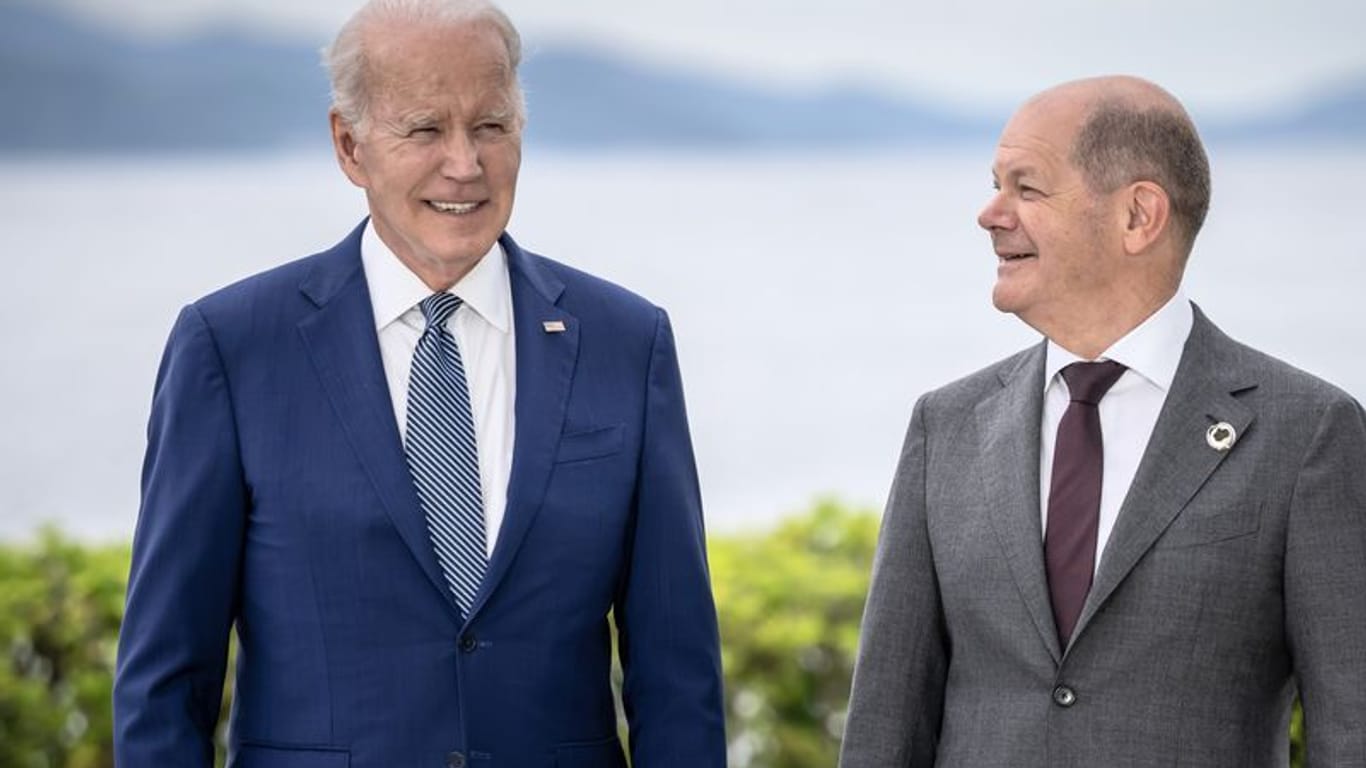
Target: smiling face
(440,148)
(1058,250)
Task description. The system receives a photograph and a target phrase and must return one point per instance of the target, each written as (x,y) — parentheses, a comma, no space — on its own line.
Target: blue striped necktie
(442,453)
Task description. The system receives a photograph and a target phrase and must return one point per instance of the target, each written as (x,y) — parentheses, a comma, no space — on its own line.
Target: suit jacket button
(455,760)
(468,644)
(1064,696)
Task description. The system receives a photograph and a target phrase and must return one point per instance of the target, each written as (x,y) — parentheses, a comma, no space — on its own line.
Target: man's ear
(1148,211)
(348,149)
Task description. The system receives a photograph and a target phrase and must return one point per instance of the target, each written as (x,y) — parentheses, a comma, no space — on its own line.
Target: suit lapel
(1177,461)
(342,344)
(545,371)
(1008,427)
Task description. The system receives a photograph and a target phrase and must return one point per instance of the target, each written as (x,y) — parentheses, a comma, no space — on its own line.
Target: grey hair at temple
(347,60)
(1121,143)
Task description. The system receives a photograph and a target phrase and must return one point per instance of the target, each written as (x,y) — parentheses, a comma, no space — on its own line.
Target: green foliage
(59,617)
(1297,737)
(790,601)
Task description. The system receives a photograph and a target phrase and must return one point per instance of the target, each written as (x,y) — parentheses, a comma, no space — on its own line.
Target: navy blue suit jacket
(276,498)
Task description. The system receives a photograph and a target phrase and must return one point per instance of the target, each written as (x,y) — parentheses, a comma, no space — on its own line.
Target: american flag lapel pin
(553,326)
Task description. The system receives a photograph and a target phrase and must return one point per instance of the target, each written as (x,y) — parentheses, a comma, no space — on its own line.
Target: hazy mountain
(582,97)
(1336,114)
(71,86)
(68,85)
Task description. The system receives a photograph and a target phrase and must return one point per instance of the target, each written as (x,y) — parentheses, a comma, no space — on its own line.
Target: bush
(59,618)
(790,602)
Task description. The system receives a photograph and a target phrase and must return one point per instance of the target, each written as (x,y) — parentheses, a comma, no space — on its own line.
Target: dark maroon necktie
(1069,546)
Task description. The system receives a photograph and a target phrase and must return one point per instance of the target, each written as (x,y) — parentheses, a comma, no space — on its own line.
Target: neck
(1090,332)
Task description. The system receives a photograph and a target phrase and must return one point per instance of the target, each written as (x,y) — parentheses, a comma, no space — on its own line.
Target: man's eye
(423,131)
(492,127)
(1029,192)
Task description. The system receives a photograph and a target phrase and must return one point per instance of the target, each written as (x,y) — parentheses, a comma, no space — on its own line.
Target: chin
(1003,301)
(465,250)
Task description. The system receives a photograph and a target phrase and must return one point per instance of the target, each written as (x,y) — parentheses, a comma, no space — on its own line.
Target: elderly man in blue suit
(418,470)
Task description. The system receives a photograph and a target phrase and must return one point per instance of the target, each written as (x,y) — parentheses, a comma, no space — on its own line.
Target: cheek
(1076,262)
(502,164)
(404,167)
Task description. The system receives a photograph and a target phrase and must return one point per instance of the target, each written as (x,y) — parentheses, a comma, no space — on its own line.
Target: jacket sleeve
(1325,587)
(186,553)
(665,615)
(897,701)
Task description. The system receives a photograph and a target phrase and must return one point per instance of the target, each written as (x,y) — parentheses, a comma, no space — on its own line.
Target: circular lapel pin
(1221,436)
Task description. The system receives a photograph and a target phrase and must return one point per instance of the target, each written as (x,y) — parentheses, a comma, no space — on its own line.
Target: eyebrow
(502,113)
(416,119)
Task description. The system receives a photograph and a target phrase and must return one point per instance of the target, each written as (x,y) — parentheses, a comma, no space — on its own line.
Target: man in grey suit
(1136,560)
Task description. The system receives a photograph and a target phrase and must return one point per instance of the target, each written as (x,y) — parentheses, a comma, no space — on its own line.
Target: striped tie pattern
(442,453)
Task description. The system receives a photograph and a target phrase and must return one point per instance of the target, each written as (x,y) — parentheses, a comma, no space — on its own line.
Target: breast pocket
(590,444)
(605,753)
(263,756)
(1196,528)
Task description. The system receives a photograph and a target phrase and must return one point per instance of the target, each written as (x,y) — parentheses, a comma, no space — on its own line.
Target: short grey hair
(1120,143)
(348,61)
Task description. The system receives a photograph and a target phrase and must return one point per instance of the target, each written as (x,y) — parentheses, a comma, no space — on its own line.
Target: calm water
(813,296)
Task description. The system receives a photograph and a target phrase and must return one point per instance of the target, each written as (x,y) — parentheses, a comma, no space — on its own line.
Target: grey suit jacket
(1228,579)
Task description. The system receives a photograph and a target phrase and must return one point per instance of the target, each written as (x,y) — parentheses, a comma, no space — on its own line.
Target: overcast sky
(1220,56)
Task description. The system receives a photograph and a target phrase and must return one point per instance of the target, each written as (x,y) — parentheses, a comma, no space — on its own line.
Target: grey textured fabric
(1230,577)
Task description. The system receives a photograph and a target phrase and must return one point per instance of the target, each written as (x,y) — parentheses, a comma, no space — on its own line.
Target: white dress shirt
(483,330)
(1128,412)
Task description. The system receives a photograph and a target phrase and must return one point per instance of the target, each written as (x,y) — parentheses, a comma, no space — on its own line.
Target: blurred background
(797,182)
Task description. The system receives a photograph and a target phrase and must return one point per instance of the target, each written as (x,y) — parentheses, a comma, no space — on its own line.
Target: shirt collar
(1152,350)
(395,289)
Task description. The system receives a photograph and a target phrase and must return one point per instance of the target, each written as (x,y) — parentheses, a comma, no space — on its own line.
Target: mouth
(1007,257)
(454,207)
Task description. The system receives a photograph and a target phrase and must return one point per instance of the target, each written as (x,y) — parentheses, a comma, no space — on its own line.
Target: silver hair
(1120,143)
(347,60)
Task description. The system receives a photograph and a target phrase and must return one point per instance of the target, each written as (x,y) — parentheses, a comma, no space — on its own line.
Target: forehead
(411,62)
(1038,138)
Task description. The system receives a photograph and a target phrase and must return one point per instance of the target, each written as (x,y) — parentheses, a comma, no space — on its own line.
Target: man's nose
(998,213)
(461,157)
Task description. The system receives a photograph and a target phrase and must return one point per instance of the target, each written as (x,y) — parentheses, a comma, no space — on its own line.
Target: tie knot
(1088,382)
(439,307)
